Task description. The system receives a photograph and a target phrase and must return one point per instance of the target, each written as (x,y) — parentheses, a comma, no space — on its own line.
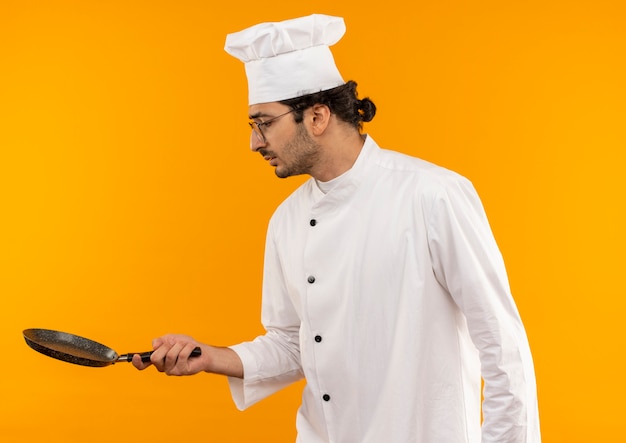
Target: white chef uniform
(389,293)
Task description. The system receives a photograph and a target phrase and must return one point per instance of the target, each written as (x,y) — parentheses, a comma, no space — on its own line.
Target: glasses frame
(256,127)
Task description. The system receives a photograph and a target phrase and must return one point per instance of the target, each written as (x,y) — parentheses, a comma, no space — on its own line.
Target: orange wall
(131,205)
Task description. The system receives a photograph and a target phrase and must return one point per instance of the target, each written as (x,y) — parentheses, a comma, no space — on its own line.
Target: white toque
(288,59)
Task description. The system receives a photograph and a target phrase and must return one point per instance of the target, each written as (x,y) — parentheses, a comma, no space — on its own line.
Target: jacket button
(311,279)
(318,338)
(313,222)
(326,397)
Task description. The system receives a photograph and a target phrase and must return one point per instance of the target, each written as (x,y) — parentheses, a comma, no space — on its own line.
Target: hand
(171,355)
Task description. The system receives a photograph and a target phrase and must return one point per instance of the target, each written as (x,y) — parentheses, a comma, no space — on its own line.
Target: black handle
(145,356)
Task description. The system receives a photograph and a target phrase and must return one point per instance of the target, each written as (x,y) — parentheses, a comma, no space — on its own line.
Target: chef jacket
(390,296)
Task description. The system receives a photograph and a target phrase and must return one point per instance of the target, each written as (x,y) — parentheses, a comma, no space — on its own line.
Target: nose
(255,142)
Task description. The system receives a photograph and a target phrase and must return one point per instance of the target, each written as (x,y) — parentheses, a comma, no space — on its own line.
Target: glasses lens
(257,131)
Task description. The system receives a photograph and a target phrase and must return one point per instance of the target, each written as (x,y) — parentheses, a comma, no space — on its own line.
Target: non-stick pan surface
(78,350)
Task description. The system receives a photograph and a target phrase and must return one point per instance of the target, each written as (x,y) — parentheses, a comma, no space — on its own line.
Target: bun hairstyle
(343,101)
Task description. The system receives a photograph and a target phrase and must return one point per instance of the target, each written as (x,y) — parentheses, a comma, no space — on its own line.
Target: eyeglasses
(256,127)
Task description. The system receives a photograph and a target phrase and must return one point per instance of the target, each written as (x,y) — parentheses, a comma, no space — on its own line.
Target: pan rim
(40,340)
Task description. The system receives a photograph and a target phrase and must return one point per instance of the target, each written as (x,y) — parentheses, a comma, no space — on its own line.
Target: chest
(363,246)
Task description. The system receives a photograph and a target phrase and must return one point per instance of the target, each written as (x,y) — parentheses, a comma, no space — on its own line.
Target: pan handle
(145,356)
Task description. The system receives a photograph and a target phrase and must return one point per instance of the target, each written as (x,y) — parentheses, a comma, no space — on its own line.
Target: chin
(281,174)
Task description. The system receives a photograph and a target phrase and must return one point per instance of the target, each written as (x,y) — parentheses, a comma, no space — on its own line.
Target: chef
(383,285)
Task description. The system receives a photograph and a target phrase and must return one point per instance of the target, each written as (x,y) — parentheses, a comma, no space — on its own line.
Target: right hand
(171,356)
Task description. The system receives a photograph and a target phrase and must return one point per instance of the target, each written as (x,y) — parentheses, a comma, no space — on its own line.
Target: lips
(269,158)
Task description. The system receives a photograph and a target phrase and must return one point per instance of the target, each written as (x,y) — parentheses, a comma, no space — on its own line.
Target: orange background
(132,207)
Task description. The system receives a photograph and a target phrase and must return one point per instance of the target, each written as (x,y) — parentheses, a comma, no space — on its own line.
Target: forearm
(224,361)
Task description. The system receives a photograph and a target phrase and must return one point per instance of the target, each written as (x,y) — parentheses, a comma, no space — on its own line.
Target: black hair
(343,101)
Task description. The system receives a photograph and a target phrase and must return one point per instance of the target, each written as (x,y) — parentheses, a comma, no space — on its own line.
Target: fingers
(158,357)
(136,361)
(171,355)
(158,342)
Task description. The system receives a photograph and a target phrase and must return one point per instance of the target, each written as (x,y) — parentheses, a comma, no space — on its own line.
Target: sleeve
(271,361)
(468,263)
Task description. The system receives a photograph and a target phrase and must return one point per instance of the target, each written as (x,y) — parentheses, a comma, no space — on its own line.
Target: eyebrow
(257,115)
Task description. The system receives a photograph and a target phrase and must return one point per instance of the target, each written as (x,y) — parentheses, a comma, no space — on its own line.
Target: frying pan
(78,350)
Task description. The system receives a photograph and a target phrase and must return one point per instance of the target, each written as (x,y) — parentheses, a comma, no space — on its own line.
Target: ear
(320,118)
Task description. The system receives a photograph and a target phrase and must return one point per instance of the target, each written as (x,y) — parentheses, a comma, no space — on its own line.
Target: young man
(383,285)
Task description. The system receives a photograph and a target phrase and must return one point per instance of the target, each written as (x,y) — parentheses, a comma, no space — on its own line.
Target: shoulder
(425,176)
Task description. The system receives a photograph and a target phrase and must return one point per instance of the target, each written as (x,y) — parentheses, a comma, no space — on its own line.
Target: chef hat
(288,59)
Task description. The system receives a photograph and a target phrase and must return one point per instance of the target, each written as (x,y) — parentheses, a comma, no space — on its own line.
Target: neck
(339,155)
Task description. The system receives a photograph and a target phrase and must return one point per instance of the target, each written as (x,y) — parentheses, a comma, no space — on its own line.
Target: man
(383,285)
